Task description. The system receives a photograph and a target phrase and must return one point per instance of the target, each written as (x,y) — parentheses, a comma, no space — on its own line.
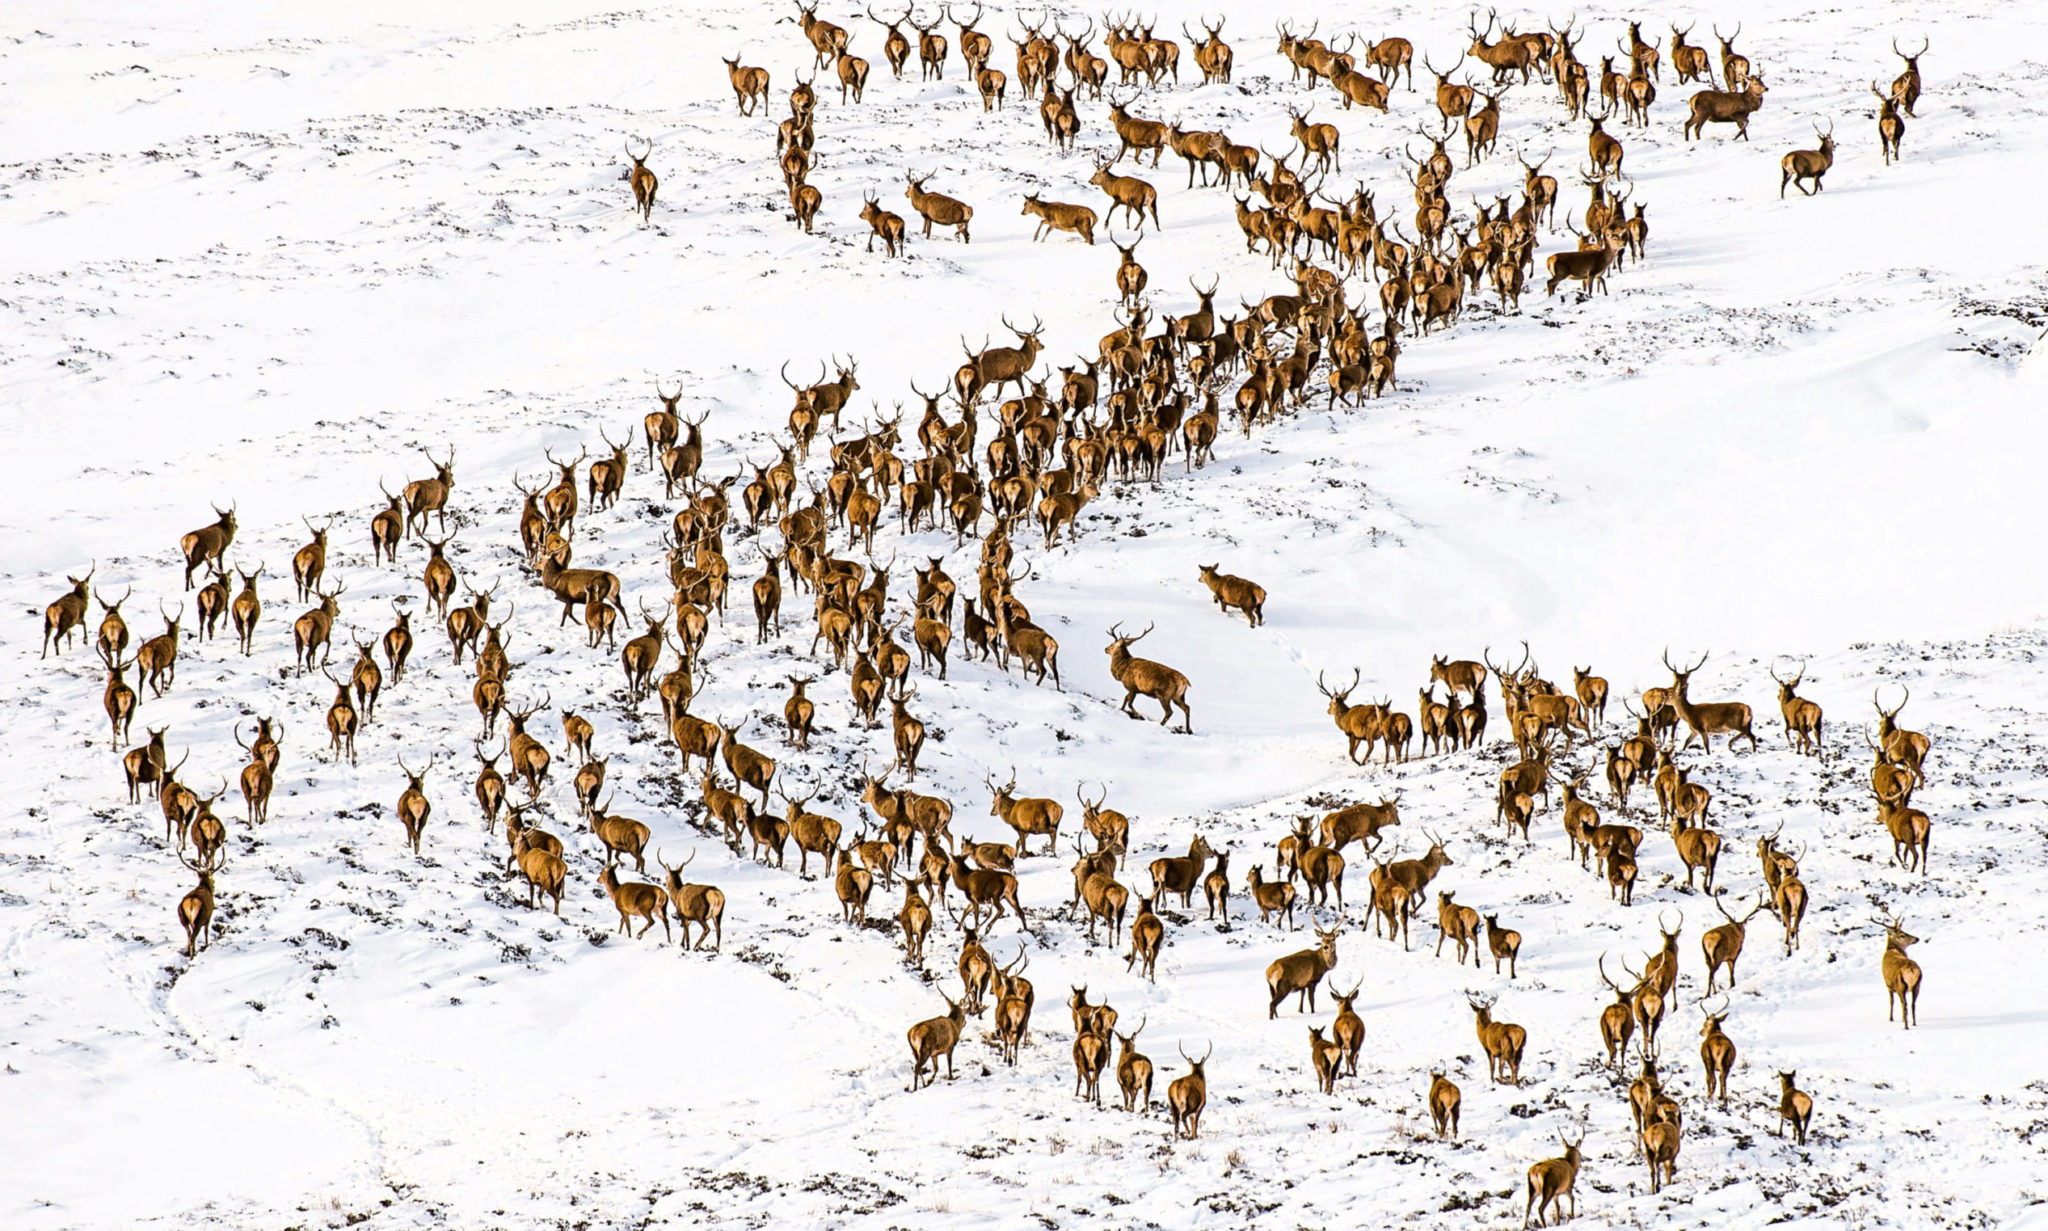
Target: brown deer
(895,47)
(1802,165)
(620,835)
(1731,718)
(748,766)
(1453,100)
(853,885)
(1906,87)
(1699,848)
(1054,216)
(1326,1059)
(1361,724)
(1592,693)
(1272,897)
(1091,1056)
(1554,1182)
(119,699)
(1463,676)
(931,46)
(63,618)
(490,785)
(1502,943)
(112,639)
(1212,55)
(643,181)
(1659,1142)
(342,720)
(1187,1096)
(882,224)
(636,900)
(1299,974)
(1503,1041)
(1143,676)
(815,833)
(1180,875)
(1617,1020)
(853,74)
(1148,935)
(1911,833)
(1231,592)
(314,630)
(156,659)
(1795,1106)
(1322,870)
(1128,193)
(1459,924)
(934,1038)
(212,605)
(1412,876)
(531,851)
(1688,61)
(413,807)
(938,208)
(1907,749)
(1726,107)
(1133,1071)
(1103,897)
(1734,66)
(195,909)
(1901,973)
(1802,717)
(1722,945)
(424,496)
(1587,266)
(749,84)
(1028,816)
(206,546)
(1717,1053)
(1444,1098)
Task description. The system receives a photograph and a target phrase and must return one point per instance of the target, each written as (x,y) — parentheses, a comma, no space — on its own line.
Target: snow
(264,254)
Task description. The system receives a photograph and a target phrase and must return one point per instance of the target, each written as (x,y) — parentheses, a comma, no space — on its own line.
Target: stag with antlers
(1143,676)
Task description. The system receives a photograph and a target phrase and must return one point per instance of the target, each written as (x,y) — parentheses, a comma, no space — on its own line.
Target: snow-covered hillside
(266,254)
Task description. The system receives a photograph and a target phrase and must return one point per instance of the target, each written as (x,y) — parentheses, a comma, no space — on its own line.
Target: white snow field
(265,254)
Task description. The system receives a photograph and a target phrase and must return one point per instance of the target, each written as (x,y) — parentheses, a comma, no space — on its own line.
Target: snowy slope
(264,255)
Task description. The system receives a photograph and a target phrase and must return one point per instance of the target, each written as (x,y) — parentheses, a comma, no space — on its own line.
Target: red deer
(938,208)
(1143,676)
(1725,107)
(643,181)
(1299,974)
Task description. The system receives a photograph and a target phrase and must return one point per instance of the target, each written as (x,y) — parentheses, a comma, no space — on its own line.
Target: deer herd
(988,468)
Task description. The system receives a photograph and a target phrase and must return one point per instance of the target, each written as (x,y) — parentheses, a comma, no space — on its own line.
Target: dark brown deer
(1725,107)
(1906,87)
(157,658)
(206,546)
